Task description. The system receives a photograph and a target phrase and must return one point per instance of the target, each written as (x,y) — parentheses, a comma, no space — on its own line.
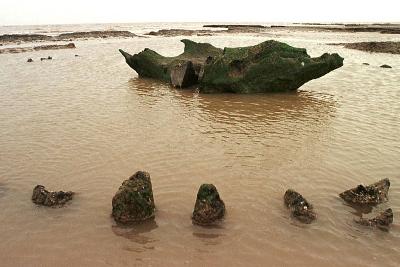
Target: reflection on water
(137,234)
(3,189)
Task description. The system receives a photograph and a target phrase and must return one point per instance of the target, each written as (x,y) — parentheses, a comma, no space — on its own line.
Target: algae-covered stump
(43,197)
(209,207)
(373,194)
(270,66)
(134,200)
(382,221)
(299,206)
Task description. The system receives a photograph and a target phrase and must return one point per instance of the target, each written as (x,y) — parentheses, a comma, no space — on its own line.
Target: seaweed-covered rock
(373,194)
(134,200)
(43,197)
(299,206)
(382,221)
(209,206)
(266,67)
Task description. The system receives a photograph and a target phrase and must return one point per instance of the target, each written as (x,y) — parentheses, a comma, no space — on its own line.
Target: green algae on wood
(209,207)
(134,200)
(270,66)
(150,64)
(267,67)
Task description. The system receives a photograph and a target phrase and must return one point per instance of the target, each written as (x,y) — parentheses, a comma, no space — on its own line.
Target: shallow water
(87,123)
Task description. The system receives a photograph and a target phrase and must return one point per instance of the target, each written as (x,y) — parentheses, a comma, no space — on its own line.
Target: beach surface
(85,122)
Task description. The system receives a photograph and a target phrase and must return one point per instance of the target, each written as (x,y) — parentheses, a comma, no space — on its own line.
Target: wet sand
(87,123)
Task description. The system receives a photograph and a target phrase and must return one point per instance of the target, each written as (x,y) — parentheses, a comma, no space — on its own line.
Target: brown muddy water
(87,123)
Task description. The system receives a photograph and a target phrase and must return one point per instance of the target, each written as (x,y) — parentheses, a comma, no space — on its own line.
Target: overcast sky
(15,12)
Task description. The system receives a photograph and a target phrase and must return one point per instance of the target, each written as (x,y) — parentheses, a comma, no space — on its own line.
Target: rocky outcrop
(12,38)
(299,206)
(373,194)
(134,200)
(180,32)
(385,66)
(43,197)
(374,47)
(95,34)
(209,207)
(267,67)
(14,50)
(54,47)
(17,38)
(382,221)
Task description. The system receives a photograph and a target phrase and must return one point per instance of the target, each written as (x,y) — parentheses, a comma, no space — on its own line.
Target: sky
(32,12)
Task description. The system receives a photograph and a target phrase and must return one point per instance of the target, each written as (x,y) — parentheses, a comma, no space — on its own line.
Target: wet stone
(43,197)
(373,194)
(134,200)
(209,207)
(299,206)
(382,221)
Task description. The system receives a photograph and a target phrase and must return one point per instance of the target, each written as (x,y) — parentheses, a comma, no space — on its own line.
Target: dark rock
(54,47)
(30,60)
(17,38)
(95,34)
(366,64)
(299,206)
(76,55)
(382,221)
(183,75)
(36,48)
(269,66)
(386,66)
(179,32)
(11,38)
(374,47)
(368,195)
(209,207)
(49,58)
(134,200)
(43,197)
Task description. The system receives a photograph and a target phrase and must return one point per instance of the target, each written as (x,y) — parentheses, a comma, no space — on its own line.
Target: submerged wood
(373,194)
(43,197)
(266,67)
(134,200)
(299,207)
(382,221)
(209,207)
